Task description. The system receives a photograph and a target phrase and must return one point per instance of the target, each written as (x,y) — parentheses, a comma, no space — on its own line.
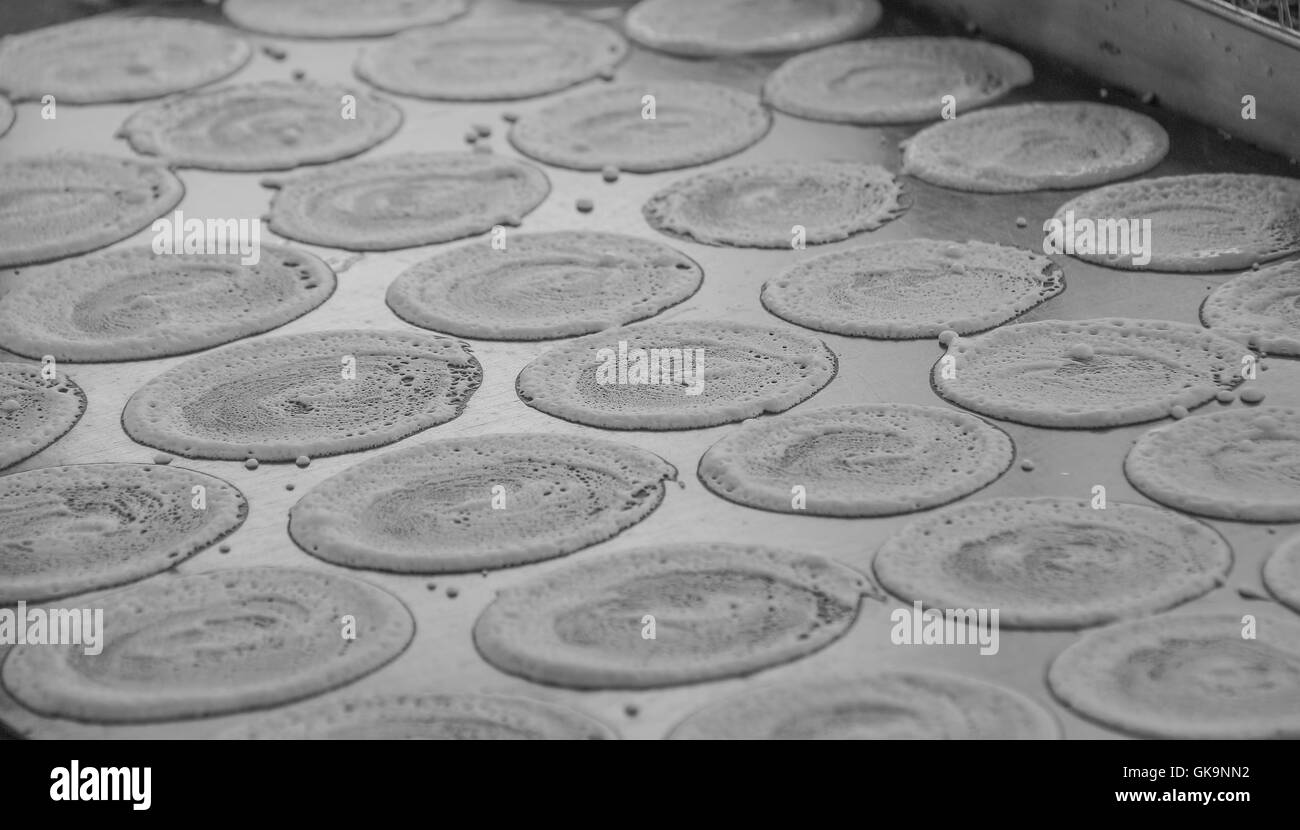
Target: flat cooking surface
(442,656)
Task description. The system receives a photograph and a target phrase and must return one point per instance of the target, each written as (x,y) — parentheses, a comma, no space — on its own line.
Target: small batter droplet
(251,464)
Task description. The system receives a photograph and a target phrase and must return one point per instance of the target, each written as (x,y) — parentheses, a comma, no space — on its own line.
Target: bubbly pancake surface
(35,411)
(1239,464)
(1036,146)
(405,200)
(861,460)
(133,304)
(106,59)
(314,394)
(890,705)
(214,643)
(1187,676)
(339,18)
(1200,222)
(1282,573)
(543,285)
(758,205)
(1052,562)
(271,125)
(737,27)
(694,123)
(700,373)
(1261,307)
(912,288)
(57,205)
(66,530)
(493,59)
(897,80)
(719,610)
(125,59)
(1081,374)
(465,504)
(433,717)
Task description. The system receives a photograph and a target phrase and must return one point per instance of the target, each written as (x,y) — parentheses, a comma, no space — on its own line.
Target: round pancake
(861,460)
(6,115)
(1082,374)
(1036,146)
(434,717)
(720,610)
(1202,222)
(57,205)
(913,288)
(434,508)
(1282,573)
(896,80)
(280,398)
(1186,676)
(493,59)
(890,705)
(406,200)
(215,643)
(339,18)
(757,205)
(543,285)
(271,125)
(1262,307)
(67,530)
(739,27)
(106,59)
(34,412)
(695,123)
(747,370)
(132,304)
(1053,562)
(1239,464)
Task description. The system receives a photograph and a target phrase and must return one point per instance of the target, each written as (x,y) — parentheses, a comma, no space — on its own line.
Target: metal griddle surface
(442,656)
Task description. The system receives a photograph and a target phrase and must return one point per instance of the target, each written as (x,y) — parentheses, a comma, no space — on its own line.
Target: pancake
(861,460)
(1282,573)
(6,115)
(67,530)
(1202,222)
(103,59)
(720,610)
(896,80)
(1036,146)
(890,705)
(432,508)
(215,643)
(339,18)
(272,125)
(755,206)
(34,412)
(1053,562)
(434,717)
(132,304)
(1238,464)
(280,398)
(543,285)
(695,123)
(739,27)
(1261,307)
(1082,374)
(913,288)
(745,371)
(493,59)
(1177,676)
(68,203)
(406,200)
